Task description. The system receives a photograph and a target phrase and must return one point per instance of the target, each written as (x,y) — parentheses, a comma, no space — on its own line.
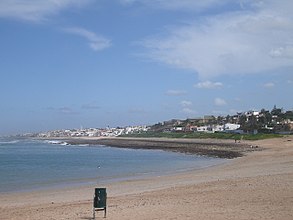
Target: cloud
(176,92)
(63,110)
(198,5)
(269,85)
(220,102)
(186,103)
(36,10)
(186,107)
(209,85)
(254,40)
(285,52)
(66,110)
(90,106)
(95,41)
(188,111)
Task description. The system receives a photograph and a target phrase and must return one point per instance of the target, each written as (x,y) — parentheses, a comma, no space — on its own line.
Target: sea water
(27,165)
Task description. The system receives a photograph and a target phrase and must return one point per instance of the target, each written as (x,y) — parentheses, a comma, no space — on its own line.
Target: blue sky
(94,63)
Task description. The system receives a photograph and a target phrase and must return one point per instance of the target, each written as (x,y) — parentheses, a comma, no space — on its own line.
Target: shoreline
(256,186)
(227,149)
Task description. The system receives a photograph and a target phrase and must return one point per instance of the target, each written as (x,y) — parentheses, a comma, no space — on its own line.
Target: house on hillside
(231,127)
(251,113)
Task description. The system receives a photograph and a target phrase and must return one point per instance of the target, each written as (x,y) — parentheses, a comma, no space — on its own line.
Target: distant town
(264,121)
(93,132)
(276,120)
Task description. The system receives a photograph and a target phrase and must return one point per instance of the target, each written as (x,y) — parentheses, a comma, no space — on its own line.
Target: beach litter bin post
(100,201)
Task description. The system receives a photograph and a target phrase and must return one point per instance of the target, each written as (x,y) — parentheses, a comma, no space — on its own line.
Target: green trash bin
(100,201)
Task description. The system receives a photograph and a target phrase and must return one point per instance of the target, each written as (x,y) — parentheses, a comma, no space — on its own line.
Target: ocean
(27,165)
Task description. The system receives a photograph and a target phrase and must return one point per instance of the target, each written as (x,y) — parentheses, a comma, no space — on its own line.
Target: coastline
(227,149)
(256,186)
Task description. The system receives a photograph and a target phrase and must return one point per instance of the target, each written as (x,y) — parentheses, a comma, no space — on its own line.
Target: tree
(253,123)
(228,118)
(268,117)
(220,120)
(277,111)
(265,117)
(263,120)
(242,120)
(288,115)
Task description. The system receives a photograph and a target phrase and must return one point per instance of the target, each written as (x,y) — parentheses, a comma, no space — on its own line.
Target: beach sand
(256,186)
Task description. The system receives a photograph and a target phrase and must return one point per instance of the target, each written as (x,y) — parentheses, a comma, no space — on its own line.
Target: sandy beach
(258,185)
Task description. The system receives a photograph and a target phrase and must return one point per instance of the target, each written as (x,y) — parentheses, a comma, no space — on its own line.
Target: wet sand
(258,185)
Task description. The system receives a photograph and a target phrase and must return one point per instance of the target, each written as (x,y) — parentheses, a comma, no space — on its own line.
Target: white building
(252,113)
(218,128)
(231,127)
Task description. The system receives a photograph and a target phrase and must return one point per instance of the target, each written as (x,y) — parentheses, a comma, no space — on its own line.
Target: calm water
(31,164)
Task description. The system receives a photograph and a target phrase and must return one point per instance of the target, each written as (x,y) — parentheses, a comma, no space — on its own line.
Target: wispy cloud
(269,85)
(237,99)
(36,10)
(96,42)
(187,107)
(63,110)
(176,92)
(185,103)
(209,85)
(197,5)
(282,51)
(67,110)
(220,102)
(255,40)
(90,106)
(188,111)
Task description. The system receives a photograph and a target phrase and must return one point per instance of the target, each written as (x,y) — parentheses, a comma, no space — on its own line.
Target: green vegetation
(250,125)
(203,135)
